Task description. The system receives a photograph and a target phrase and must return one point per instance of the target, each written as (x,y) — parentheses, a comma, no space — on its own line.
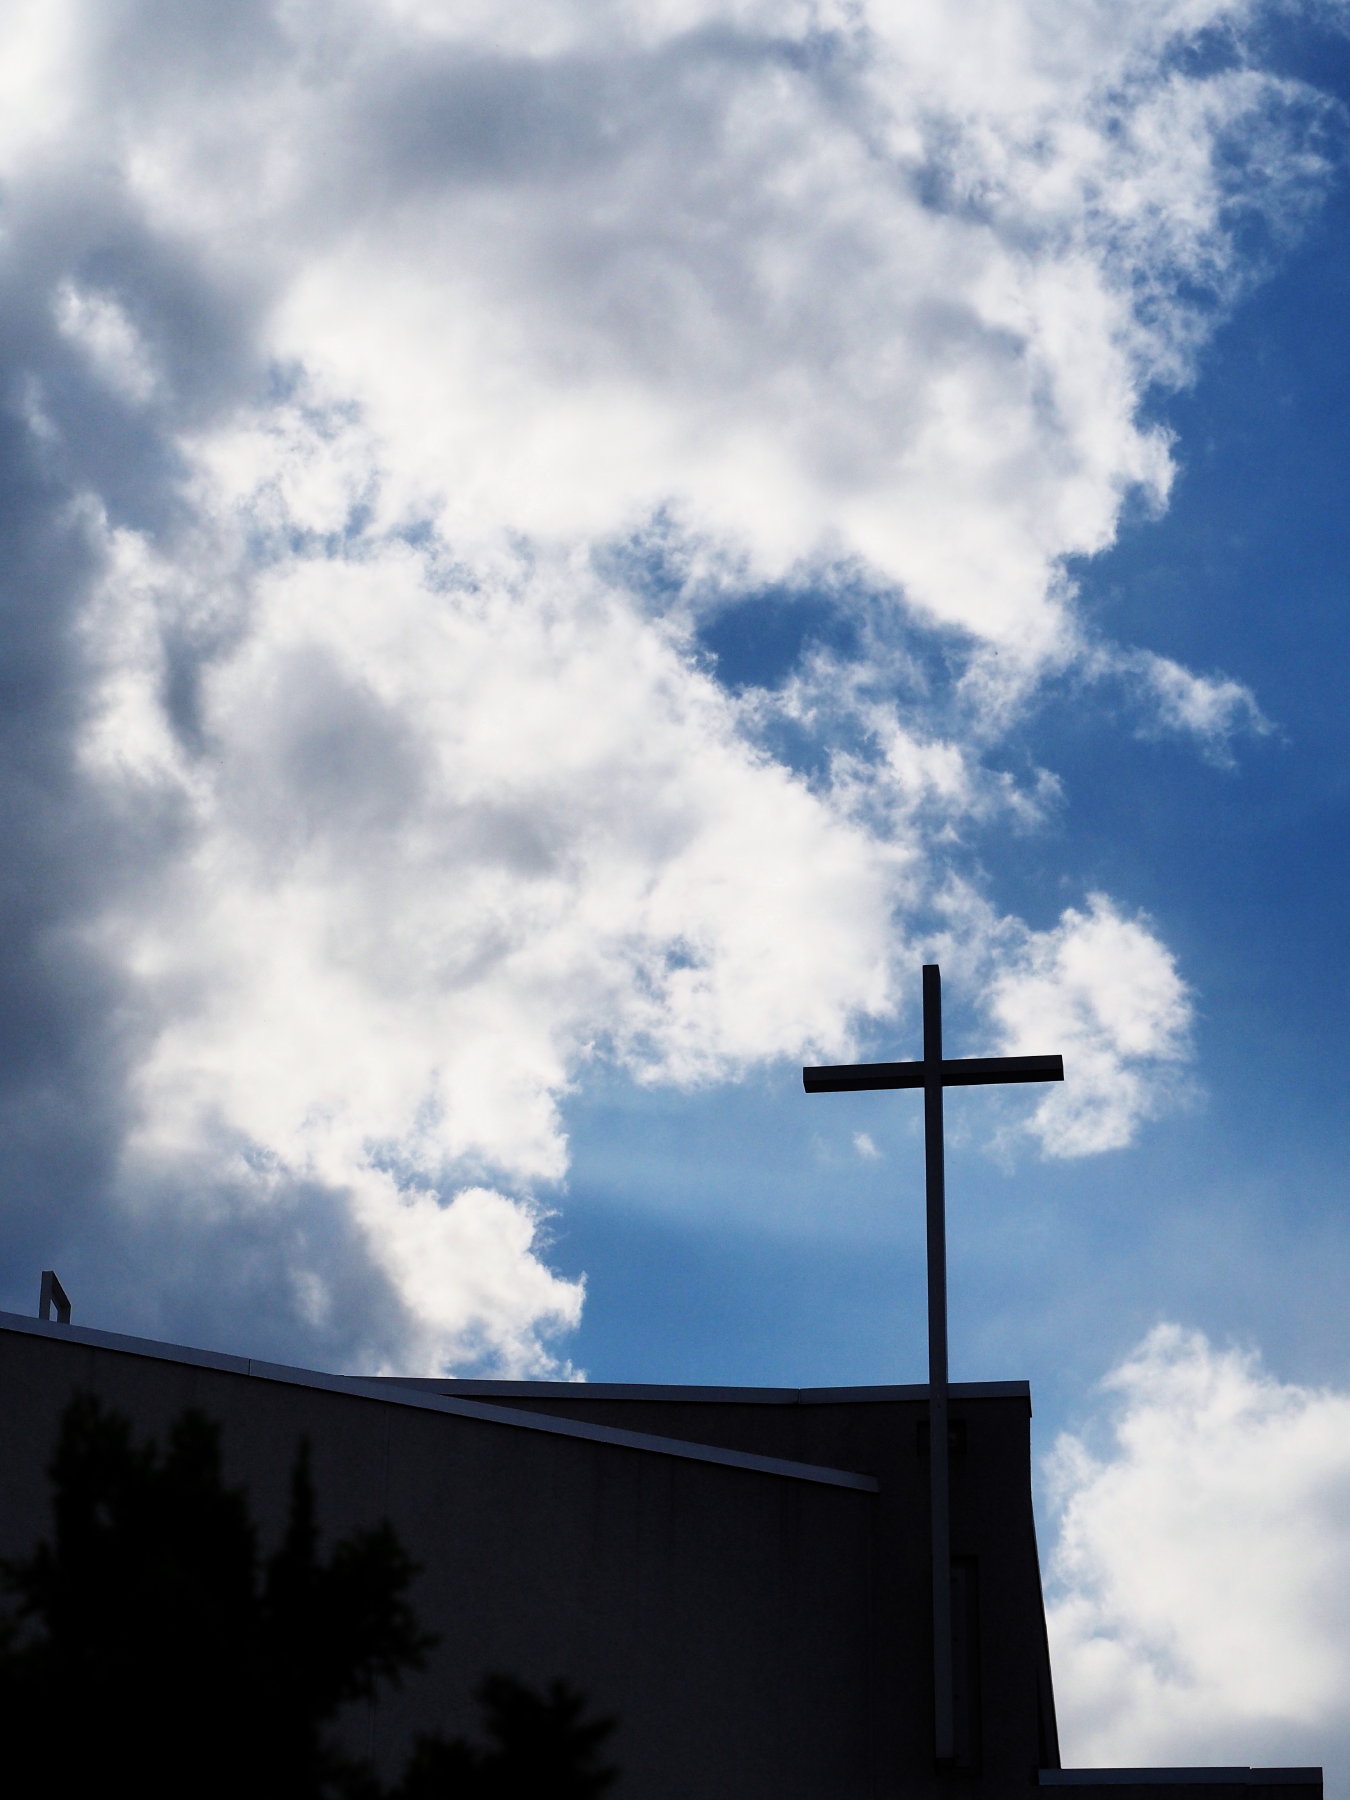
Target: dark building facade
(740,1575)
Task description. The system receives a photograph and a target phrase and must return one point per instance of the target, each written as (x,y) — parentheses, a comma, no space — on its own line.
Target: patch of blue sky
(761,639)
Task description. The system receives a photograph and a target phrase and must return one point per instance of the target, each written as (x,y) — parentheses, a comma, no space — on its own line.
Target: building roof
(431,1396)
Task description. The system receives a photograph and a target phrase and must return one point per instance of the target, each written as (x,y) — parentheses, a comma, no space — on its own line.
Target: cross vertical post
(933,1074)
(939,1436)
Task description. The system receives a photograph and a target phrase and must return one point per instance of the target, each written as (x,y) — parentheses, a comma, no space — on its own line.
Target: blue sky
(554,556)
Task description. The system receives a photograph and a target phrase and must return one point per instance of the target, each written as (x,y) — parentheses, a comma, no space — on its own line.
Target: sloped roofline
(394,1393)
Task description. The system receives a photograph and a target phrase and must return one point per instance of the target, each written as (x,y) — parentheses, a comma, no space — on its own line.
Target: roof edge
(731,1396)
(390,1394)
(1187,1777)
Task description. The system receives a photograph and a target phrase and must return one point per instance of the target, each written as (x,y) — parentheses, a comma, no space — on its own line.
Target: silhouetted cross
(932,1075)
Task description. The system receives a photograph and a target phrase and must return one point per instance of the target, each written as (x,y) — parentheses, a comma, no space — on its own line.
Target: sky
(555,554)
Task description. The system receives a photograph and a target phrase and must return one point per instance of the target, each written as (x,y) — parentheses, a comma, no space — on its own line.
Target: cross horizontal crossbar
(961,1071)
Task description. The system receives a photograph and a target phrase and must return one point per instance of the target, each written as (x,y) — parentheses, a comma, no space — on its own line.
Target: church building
(742,1576)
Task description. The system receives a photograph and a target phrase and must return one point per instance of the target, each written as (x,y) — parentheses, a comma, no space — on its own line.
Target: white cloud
(1213,709)
(39,51)
(443,842)
(383,350)
(608,297)
(1100,989)
(103,331)
(449,837)
(470,1276)
(1200,1581)
(574,282)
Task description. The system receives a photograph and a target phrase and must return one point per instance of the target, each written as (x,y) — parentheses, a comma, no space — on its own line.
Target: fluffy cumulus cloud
(1102,986)
(397,395)
(1200,1583)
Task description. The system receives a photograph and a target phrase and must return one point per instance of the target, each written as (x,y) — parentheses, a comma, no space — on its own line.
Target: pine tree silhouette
(542,1747)
(152,1648)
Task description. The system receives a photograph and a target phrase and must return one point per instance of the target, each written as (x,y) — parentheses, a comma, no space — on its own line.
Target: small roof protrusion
(53,1294)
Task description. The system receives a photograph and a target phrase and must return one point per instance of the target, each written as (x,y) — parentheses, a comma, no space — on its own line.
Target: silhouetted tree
(149,1640)
(152,1648)
(541,1746)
